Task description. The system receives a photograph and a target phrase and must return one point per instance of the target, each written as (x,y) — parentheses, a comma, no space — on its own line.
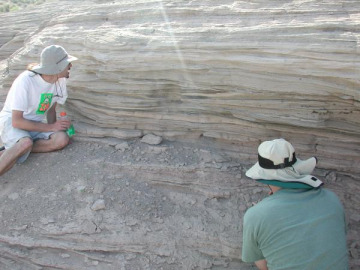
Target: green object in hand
(70,131)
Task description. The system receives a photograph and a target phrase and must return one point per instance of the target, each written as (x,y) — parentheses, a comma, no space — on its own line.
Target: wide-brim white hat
(53,60)
(278,165)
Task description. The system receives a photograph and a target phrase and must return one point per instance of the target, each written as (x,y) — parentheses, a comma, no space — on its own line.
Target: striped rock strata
(238,72)
(232,70)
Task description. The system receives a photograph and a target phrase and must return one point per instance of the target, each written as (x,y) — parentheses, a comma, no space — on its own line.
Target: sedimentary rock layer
(234,70)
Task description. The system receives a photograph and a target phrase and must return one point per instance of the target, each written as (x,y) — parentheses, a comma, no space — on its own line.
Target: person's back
(297,229)
(300,226)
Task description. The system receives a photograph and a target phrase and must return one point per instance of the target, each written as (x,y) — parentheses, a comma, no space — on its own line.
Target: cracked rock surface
(177,205)
(218,77)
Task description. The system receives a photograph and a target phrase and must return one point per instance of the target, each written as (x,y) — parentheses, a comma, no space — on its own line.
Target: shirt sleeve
(19,95)
(251,251)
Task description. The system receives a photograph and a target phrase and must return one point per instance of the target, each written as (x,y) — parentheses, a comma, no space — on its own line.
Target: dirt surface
(110,204)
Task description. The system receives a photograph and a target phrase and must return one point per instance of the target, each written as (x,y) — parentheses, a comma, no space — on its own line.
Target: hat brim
(300,172)
(54,69)
(292,185)
(71,58)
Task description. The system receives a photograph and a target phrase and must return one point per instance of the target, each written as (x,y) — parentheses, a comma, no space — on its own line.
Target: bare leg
(57,141)
(9,156)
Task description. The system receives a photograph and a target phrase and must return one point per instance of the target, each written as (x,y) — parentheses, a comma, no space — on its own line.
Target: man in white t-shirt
(32,98)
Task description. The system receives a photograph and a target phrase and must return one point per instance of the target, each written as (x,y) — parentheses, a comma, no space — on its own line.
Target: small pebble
(151,139)
(98,205)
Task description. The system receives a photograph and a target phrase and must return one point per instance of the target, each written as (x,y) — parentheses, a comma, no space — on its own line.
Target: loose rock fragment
(122,146)
(99,188)
(151,139)
(88,227)
(98,205)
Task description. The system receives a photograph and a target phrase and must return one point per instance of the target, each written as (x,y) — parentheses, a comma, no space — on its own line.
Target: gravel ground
(110,204)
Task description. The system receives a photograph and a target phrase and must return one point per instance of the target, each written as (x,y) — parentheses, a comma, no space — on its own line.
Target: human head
(53,60)
(278,166)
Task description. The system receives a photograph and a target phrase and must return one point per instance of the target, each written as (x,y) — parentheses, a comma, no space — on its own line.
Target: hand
(60,125)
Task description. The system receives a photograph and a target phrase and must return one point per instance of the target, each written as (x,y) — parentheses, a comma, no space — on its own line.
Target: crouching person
(300,226)
(33,97)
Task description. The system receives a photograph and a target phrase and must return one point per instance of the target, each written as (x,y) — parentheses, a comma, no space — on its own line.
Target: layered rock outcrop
(234,71)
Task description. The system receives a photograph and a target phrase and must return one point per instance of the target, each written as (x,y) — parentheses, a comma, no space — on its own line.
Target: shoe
(2,148)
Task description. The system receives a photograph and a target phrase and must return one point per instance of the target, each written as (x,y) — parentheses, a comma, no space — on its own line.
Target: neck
(49,78)
(274,189)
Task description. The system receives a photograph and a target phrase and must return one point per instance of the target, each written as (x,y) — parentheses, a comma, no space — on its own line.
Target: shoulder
(24,77)
(258,211)
(330,196)
(328,192)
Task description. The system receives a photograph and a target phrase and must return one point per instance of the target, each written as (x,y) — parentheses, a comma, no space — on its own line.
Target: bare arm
(18,121)
(261,265)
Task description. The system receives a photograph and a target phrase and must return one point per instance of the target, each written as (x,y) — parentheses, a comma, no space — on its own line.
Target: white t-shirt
(34,96)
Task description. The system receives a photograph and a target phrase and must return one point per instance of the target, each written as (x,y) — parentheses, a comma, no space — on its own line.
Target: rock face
(234,70)
(239,72)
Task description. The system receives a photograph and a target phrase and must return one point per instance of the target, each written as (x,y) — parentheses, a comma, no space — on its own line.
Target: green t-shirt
(298,230)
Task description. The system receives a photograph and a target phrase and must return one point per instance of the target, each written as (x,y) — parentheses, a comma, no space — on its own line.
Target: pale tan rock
(151,139)
(122,146)
(98,205)
(235,72)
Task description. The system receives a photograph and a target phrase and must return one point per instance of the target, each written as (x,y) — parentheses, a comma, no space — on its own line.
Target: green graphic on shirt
(45,102)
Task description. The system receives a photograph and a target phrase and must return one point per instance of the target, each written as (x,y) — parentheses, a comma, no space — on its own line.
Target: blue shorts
(10,136)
